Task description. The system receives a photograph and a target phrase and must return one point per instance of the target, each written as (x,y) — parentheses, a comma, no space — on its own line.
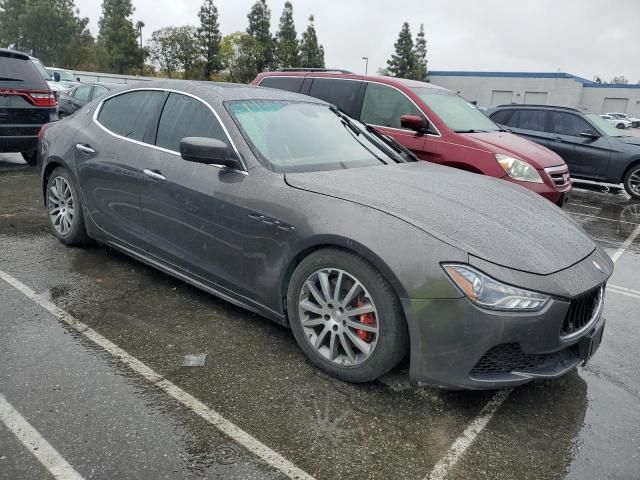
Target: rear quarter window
(290,84)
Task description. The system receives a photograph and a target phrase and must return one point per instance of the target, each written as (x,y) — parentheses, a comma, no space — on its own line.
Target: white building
(490,89)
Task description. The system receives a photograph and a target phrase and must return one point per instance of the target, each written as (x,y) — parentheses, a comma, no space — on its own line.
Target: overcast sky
(583,37)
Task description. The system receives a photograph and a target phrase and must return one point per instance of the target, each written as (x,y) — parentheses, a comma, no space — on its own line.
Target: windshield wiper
(354,130)
(9,79)
(472,130)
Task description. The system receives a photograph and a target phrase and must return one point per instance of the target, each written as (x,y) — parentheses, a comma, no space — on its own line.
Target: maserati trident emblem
(598,266)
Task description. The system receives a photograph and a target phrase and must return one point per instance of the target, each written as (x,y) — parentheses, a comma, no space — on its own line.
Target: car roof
(337,74)
(5,52)
(538,107)
(218,92)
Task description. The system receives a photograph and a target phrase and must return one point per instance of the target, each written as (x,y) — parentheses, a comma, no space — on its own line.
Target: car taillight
(41,131)
(43,99)
(39,98)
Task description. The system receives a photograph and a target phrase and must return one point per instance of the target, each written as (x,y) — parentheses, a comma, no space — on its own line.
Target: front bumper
(455,344)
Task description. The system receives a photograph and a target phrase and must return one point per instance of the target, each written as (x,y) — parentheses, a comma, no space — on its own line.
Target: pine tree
(209,37)
(48,29)
(287,39)
(402,63)
(259,28)
(117,37)
(311,54)
(420,54)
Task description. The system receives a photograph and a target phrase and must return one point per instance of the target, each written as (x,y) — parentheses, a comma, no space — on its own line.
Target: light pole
(366,65)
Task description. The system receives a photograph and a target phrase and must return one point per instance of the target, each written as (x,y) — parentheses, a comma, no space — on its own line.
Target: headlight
(489,293)
(518,170)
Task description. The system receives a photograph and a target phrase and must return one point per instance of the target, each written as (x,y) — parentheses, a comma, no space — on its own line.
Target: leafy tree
(209,38)
(287,52)
(48,29)
(403,61)
(259,28)
(118,37)
(420,53)
(175,49)
(619,79)
(311,54)
(240,54)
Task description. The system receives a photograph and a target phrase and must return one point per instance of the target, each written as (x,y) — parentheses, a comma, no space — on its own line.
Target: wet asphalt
(109,422)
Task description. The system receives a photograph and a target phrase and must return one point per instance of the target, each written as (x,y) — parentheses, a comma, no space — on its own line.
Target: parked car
(26,103)
(593,148)
(56,88)
(436,124)
(65,78)
(80,95)
(282,204)
(635,122)
(619,123)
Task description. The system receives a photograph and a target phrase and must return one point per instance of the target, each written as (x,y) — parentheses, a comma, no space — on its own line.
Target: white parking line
(584,206)
(602,218)
(627,243)
(37,445)
(624,291)
(464,441)
(271,457)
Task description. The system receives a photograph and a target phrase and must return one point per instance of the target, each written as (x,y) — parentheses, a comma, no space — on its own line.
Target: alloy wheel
(338,317)
(634,182)
(61,206)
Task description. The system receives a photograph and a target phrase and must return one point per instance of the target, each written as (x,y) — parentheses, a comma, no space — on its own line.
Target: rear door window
(291,84)
(98,92)
(568,124)
(130,114)
(185,116)
(533,120)
(383,106)
(341,93)
(502,117)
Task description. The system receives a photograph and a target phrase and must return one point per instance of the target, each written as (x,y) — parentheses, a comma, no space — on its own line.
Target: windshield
(458,114)
(41,69)
(298,137)
(606,127)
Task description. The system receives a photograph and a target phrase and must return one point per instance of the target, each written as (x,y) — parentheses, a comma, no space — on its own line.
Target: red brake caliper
(365,319)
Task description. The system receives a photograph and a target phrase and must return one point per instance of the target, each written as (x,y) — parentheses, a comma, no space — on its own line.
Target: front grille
(560,176)
(583,310)
(509,357)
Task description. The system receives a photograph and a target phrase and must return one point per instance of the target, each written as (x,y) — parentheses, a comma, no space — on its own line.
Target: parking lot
(92,346)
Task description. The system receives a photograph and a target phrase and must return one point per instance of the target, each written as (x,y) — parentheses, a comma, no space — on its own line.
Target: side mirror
(590,134)
(56,77)
(78,79)
(414,122)
(208,151)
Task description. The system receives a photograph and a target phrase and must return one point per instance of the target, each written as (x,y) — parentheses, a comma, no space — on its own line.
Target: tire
(30,157)
(386,338)
(62,203)
(61,115)
(632,182)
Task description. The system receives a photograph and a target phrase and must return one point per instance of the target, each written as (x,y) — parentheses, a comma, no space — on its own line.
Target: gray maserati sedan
(282,204)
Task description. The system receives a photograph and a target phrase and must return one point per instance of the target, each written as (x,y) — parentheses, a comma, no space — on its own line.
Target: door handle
(154,174)
(558,139)
(85,148)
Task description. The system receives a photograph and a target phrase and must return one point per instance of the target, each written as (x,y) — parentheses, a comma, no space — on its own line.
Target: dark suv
(593,148)
(26,103)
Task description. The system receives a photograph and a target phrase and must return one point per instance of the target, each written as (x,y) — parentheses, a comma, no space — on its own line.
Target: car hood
(509,144)
(491,219)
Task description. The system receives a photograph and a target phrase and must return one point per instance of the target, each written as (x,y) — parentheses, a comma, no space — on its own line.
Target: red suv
(435,123)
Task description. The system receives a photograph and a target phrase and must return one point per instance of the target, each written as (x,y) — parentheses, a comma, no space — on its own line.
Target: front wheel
(632,181)
(65,209)
(345,316)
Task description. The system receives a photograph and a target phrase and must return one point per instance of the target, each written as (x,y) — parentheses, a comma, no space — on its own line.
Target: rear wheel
(61,115)
(65,209)
(632,181)
(345,316)
(31,157)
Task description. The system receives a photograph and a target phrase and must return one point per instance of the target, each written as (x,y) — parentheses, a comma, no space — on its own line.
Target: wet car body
(240,234)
